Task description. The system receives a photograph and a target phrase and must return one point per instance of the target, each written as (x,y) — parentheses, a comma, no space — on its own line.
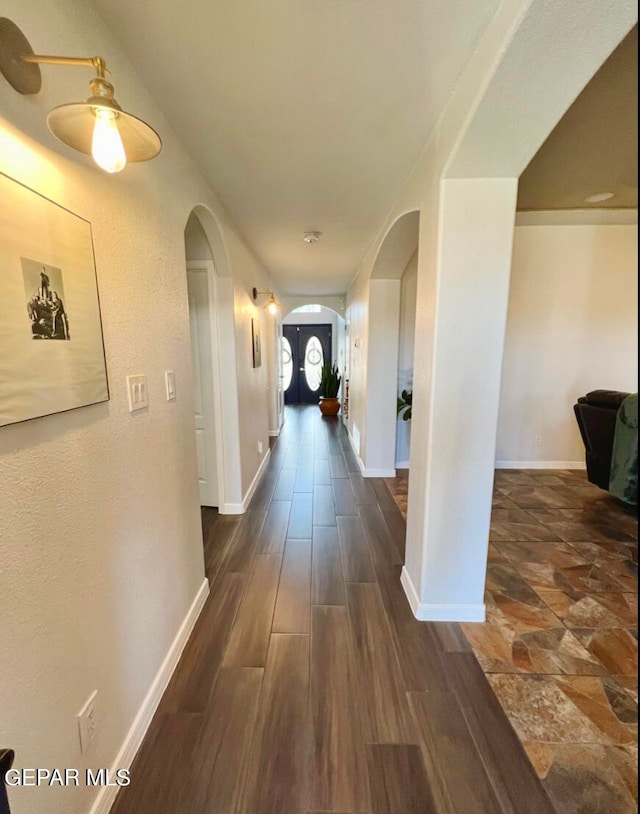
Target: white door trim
(218,418)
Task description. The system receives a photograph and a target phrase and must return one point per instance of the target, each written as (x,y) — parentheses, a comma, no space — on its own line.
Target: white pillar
(272,333)
(455,408)
(379,453)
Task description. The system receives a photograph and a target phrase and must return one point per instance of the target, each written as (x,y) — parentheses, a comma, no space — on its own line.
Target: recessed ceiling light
(311,237)
(597,197)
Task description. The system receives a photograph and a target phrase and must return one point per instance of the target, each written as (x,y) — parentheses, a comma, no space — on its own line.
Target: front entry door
(305,349)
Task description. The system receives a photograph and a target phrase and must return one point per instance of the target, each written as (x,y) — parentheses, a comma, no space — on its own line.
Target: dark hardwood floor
(307,685)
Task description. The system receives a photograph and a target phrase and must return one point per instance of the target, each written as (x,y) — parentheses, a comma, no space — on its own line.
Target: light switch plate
(137,392)
(88,725)
(170,384)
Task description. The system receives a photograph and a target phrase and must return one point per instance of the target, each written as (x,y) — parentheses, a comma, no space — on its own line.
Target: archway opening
(201,290)
(310,335)
(390,357)
(393,286)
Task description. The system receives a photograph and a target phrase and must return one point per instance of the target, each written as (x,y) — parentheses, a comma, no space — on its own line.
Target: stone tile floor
(560,646)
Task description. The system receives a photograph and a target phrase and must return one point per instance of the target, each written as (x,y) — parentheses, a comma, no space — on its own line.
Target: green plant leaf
(329,381)
(403,404)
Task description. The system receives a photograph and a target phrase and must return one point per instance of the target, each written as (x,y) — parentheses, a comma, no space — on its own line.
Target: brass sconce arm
(271,305)
(97,63)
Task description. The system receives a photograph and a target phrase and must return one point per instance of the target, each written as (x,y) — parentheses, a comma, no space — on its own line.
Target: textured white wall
(572,328)
(252,383)
(100,539)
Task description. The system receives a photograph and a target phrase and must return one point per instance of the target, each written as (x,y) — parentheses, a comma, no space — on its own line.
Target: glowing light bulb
(272,308)
(107,148)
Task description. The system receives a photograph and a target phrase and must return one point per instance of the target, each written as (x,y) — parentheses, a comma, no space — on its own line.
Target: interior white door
(201,354)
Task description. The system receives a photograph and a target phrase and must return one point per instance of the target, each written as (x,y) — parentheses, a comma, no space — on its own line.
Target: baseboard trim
(107,794)
(540,465)
(368,473)
(232,508)
(427,612)
(356,452)
(410,591)
(241,508)
(451,613)
(274,433)
(254,483)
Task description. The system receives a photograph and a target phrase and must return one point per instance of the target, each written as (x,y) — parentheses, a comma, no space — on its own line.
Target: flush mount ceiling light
(98,127)
(598,197)
(271,305)
(311,237)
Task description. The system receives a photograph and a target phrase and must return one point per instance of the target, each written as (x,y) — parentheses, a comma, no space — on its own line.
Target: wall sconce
(98,127)
(271,305)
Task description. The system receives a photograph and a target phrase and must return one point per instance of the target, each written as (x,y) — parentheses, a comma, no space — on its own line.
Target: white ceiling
(594,147)
(302,114)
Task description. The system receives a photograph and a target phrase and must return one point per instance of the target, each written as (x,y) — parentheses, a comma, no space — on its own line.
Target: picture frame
(53,356)
(256,345)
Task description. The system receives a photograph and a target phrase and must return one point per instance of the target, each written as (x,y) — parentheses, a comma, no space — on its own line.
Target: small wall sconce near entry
(98,127)
(271,305)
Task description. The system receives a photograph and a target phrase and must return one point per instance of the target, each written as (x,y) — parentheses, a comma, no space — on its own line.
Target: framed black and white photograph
(255,343)
(44,290)
(52,356)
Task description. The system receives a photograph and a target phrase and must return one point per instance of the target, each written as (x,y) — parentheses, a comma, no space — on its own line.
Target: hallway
(307,684)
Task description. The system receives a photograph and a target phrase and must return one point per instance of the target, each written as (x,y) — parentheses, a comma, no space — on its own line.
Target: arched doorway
(390,352)
(212,336)
(312,335)
(201,290)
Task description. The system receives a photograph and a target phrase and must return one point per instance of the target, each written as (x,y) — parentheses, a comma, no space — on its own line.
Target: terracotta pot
(329,406)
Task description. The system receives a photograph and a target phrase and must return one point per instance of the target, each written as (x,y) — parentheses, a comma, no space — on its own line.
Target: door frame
(194,265)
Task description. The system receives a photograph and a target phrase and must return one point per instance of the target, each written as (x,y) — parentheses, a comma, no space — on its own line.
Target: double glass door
(305,349)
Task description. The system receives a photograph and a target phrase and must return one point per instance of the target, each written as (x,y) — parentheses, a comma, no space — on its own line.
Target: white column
(272,332)
(455,408)
(379,454)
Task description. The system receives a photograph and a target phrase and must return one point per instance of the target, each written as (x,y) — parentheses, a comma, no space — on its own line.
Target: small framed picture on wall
(256,343)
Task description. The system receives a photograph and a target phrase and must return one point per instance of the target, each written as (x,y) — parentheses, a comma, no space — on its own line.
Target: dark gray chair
(596,415)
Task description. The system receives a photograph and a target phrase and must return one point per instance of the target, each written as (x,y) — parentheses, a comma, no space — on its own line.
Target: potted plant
(329,387)
(405,400)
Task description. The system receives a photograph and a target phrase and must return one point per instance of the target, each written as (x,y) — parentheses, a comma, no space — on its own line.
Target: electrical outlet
(88,725)
(260,447)
(538,441)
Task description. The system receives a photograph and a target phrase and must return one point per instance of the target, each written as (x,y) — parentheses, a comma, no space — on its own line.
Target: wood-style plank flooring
(307,686)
